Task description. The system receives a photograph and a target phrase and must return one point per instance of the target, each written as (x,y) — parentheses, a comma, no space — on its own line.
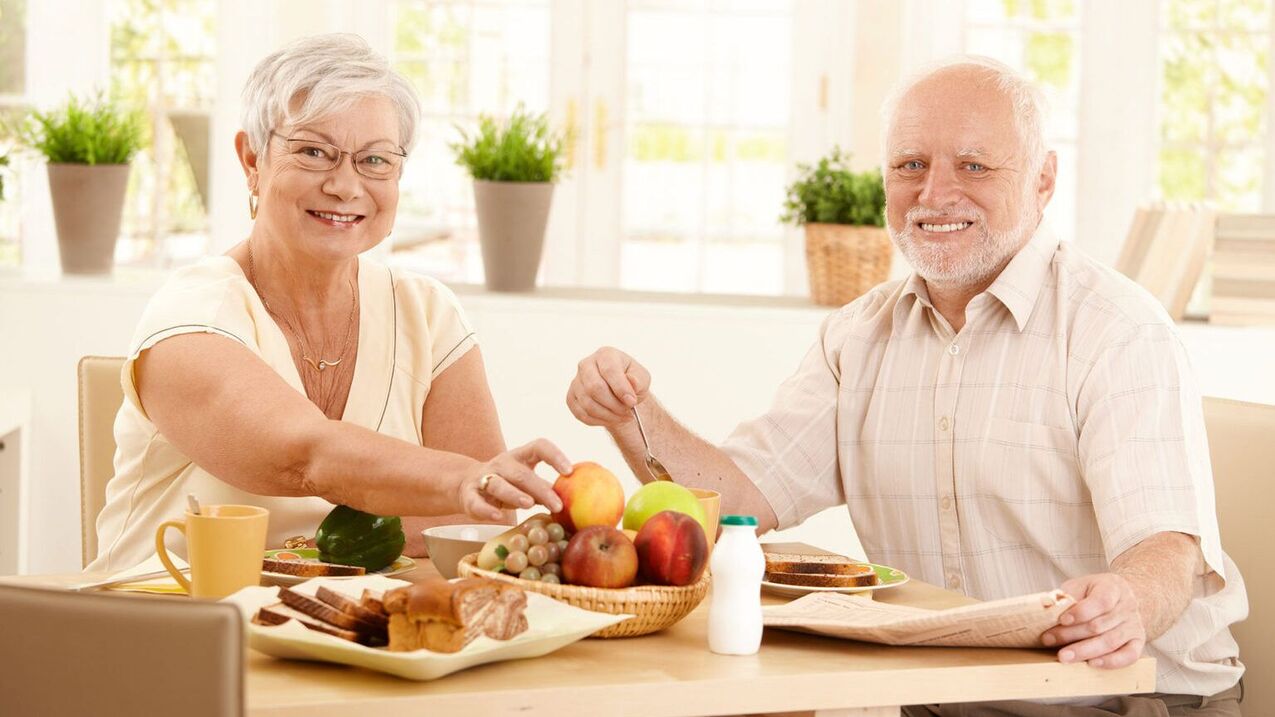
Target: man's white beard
(940,263)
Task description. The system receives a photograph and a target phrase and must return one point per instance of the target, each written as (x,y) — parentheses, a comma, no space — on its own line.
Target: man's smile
(945,228)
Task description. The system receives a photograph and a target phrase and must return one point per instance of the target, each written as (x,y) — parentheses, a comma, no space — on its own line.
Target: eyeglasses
(319,156)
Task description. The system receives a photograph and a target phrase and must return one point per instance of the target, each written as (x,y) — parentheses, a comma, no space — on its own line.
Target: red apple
(672,549)
(591,495)
(600,557)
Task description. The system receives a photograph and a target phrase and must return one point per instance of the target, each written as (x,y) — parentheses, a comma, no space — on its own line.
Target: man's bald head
(1026,101)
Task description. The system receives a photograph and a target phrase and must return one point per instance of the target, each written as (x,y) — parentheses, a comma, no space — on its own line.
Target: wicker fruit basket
(845,261)
(654,607)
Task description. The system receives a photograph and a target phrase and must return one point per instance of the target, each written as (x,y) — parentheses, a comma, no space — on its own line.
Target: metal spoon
(654,466)
(193,503)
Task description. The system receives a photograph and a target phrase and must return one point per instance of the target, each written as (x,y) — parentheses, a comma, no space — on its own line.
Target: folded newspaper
(1013,622)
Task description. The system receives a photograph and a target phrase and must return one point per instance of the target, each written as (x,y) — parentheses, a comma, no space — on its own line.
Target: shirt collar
(914,290)
(1018,285)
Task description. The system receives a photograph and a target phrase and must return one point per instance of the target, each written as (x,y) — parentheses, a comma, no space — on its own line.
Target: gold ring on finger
(484,481)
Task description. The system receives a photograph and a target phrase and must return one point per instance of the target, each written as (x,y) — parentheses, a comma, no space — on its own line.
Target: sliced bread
(863,577)
(373,601)
(308,568)
(323,611)
(812,564)
(353,607)
(280,613)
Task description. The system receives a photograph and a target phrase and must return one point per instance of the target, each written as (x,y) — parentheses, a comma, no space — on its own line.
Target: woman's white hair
(326,73)
(1030,107)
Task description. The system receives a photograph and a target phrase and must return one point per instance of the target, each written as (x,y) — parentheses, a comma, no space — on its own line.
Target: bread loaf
(508,618)
(446,616)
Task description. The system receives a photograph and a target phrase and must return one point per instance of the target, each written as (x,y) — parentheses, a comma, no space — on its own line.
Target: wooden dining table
(673,673)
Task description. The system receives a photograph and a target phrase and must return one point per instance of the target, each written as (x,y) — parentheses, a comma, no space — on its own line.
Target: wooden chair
(100,397)
(67,653)
(1242,448)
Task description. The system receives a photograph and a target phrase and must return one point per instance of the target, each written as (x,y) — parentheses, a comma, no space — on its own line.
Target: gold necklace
(321,363)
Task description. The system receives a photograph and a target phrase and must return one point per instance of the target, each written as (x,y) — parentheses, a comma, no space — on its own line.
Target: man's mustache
(920,213)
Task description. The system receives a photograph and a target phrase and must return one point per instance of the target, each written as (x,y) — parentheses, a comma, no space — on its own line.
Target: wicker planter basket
(845,261)
(654,607)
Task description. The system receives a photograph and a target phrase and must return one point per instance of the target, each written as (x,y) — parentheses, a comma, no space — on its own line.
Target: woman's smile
(334,219)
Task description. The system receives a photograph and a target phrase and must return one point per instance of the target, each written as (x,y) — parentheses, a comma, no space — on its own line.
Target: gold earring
(252,206)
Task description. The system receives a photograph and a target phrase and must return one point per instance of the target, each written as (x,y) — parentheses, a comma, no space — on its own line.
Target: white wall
(713,364)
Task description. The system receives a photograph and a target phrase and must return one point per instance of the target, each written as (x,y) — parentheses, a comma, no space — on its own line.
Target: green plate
(311,555)
(887,577)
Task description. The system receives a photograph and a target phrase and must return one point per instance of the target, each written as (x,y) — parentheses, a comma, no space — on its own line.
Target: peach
(671,549)
(591,495)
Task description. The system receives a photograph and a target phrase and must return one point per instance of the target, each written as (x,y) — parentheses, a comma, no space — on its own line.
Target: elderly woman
(294,374)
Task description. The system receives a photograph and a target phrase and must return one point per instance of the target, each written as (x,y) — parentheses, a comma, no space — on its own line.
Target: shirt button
(944,424)
(953,349)
(946,502)
(954,581)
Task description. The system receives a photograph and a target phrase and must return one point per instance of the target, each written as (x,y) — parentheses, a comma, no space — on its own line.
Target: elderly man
(1013,417)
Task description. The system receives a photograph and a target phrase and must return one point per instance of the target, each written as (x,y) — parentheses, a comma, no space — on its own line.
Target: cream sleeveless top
(411,328)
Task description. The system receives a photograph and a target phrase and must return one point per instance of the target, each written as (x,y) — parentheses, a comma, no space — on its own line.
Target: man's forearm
(691,461)
(1162,570)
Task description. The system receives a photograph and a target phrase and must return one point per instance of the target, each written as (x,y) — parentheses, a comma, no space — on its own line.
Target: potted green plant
(514,164)
(88,145)
(848,250)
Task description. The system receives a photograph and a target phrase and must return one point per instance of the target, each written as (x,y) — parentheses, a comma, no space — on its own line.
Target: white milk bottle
(734,610)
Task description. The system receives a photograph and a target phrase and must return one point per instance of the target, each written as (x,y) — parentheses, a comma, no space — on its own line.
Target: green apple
(661,495)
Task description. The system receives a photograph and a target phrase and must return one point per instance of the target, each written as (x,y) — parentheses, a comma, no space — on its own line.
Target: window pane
(1214,87)
(13,47)
(465,58)
(1185,89)
(162,63)
(1239,179)
(1249,15)
(1041,39)
(1183,174)
(707,146)
(1240,97)
(1000,11)
(1190,14)
(1048,57)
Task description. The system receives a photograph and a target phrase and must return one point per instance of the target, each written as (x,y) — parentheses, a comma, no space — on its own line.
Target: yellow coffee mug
(224,546)
(711,502)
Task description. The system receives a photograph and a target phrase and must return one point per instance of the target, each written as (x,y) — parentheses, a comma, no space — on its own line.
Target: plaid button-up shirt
(1057,429)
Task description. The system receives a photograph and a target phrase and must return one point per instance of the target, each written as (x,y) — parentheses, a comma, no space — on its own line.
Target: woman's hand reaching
(509,481)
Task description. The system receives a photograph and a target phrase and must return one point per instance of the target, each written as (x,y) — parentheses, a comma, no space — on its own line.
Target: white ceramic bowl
(447,544)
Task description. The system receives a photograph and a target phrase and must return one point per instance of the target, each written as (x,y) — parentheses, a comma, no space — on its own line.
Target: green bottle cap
(739,520)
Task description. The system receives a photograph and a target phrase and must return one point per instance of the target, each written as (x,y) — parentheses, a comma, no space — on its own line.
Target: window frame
(1117,130)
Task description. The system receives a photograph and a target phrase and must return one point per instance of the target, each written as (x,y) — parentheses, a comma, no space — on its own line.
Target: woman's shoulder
(422,295)
(431,325)
(211,293)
